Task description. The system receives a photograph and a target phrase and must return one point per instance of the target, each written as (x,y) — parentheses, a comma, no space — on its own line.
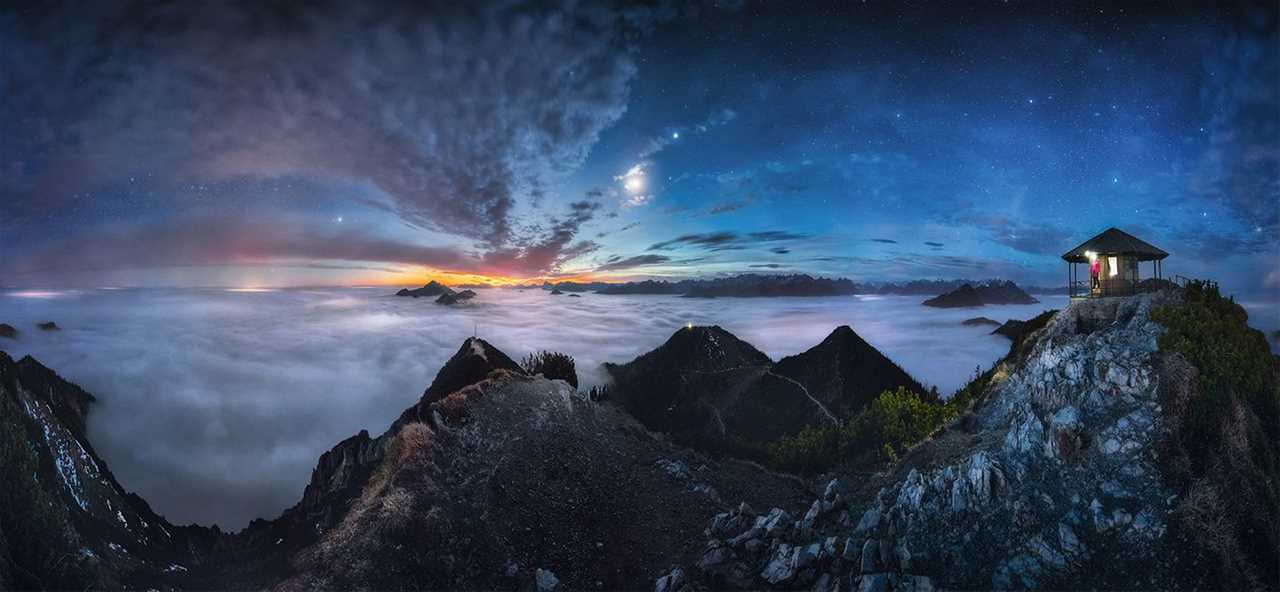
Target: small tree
(553,365)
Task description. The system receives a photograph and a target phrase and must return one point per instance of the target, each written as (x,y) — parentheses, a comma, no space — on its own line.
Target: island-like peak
(994,292)
(430,289)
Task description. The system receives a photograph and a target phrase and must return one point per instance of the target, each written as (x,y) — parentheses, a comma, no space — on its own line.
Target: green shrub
(1225,437)
(553,365)
(893,422)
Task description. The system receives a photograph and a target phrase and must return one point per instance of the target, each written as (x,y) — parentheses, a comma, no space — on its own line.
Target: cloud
(727,207)
(933,244)
(449,134)
(776,235)
(616,263)
(885,240)
(283,240)
(712,240)
(1241,166)
(659,143)
(779,250)
(726,240)
(212,240)
(768,265)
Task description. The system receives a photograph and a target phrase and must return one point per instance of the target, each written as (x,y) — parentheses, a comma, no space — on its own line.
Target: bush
(893,422)
(553,365)
(1223,434)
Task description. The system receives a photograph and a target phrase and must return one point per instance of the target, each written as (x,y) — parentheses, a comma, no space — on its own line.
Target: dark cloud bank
(425,105)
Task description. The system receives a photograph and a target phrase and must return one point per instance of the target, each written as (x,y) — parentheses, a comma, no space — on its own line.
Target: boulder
(673,581)
(545,580)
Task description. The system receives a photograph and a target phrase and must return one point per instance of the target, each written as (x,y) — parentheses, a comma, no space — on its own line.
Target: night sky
(253,144)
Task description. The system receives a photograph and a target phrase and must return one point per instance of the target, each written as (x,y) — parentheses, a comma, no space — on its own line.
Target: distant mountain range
(766,285)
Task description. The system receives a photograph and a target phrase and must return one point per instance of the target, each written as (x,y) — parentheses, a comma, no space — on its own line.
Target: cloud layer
(215,405)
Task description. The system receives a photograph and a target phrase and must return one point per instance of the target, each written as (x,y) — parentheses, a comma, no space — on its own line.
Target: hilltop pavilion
(1111,263)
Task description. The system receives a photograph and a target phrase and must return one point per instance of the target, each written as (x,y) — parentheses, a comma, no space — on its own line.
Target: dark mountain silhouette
(430,290)
(996,292)
(845,372)
(977,321)
(451,298)
(705,385)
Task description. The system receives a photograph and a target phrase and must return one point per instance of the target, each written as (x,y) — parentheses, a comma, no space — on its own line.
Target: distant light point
(675,135)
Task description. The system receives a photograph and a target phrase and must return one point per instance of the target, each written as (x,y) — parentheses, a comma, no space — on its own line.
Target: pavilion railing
(1110,287)
(1183,281)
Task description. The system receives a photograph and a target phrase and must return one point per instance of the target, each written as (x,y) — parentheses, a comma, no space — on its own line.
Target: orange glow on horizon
(449,278)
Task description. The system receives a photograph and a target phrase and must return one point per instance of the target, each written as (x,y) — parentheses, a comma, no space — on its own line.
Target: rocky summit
(1053,480)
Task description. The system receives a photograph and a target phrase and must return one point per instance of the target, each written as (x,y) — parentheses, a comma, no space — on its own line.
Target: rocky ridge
(1051,481)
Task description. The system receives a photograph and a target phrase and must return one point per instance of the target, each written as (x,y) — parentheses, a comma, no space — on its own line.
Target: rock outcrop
(7,330)
(73,525)
(1052,482)
(518,482)
(994,292)
(979,321)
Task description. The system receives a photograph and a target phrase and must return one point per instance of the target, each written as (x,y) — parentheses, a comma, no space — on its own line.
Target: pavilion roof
(1115,242)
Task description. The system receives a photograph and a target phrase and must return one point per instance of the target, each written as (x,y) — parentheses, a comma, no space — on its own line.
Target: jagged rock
(775,524)
(832,490)
(545,580)
(673,581)
(1058,458)
(870,556)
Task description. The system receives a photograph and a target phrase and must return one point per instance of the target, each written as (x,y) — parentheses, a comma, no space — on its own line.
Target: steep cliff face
(64,520)
(1053,481)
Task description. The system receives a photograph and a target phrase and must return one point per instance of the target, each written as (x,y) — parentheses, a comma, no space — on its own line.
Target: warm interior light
(1113,265)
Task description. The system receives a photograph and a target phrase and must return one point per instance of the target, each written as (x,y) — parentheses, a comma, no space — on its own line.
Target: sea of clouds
(214,405)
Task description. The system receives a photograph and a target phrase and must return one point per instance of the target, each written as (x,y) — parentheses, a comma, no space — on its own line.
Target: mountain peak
(707,348)
(474,360)
(845,372)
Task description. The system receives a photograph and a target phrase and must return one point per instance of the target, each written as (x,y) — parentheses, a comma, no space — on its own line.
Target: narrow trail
(806,393)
